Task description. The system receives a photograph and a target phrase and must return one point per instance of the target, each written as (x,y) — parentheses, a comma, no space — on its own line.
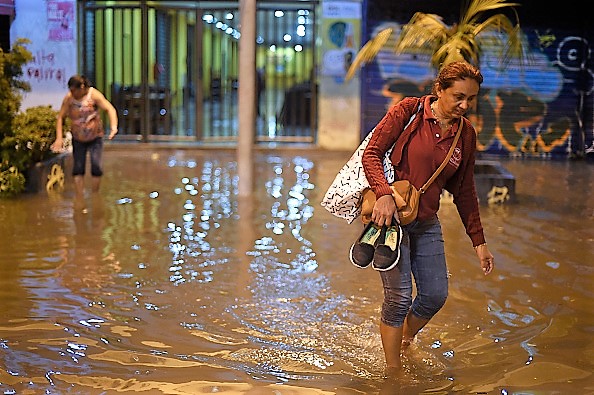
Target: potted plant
(33,133)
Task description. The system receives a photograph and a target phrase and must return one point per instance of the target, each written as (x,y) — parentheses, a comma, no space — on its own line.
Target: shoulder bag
(405,194)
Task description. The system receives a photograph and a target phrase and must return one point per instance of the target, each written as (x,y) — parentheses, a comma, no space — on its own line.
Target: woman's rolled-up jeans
(422,255)
(79,156)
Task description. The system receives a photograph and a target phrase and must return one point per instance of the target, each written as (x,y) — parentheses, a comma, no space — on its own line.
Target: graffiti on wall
(44,67)
(542,108)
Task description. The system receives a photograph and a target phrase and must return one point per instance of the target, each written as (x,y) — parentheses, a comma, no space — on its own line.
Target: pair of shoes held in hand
(378,246)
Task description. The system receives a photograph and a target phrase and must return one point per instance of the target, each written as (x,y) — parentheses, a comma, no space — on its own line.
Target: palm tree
(461,41)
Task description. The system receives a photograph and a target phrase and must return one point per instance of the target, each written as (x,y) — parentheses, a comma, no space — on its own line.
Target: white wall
(51,27)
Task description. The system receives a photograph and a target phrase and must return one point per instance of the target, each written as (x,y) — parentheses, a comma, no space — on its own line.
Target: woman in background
(82,104)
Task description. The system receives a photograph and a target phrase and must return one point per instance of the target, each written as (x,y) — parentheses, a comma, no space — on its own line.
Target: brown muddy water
(167,283)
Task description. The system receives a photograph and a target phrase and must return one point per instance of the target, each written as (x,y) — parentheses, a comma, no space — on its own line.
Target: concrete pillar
(246,96)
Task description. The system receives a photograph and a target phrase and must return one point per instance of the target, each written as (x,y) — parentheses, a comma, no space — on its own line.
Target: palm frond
(513,47)
(466,40)
(369,51)
(458,47)
(516,48)
(452,57)
(495,22)
(423,31)
(477,8)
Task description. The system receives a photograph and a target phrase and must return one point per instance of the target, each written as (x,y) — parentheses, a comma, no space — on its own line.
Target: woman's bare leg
(96,182)
(391,342)
(412,325)
(79,186)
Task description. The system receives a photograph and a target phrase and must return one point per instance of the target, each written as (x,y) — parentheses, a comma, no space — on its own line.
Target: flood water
(167,283)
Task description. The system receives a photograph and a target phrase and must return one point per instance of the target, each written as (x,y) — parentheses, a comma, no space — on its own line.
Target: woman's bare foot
(393,372)
(406,344)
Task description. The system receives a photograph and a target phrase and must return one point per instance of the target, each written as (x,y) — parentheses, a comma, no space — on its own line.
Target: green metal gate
(171,68)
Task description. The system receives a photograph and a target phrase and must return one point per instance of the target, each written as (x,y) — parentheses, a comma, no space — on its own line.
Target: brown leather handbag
(405,194)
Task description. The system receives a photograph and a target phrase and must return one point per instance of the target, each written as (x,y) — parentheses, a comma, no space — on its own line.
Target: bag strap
(412,118)
(445,161)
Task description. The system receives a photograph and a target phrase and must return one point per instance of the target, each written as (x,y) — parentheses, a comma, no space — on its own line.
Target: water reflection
(168,282)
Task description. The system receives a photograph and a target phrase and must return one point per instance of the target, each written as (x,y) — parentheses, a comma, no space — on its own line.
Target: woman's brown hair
(453,72)
(78,81)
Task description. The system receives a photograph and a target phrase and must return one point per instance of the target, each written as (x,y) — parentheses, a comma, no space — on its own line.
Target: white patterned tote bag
(343,197)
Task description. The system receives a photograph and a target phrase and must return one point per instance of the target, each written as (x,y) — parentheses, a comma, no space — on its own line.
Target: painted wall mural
(542,109)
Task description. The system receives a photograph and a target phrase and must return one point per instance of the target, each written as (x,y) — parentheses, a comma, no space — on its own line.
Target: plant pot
(48,175)
(494,183)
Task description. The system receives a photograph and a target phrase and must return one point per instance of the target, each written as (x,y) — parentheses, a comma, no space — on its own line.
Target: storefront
(171,68)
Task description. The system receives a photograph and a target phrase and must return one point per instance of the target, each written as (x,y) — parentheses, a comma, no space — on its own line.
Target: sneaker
(387,250)
(361,253)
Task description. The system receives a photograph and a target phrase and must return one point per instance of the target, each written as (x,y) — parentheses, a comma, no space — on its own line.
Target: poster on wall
(60,15)
(341,29)
(51,30)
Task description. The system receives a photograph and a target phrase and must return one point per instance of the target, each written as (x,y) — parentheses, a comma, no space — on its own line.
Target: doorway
(171,68)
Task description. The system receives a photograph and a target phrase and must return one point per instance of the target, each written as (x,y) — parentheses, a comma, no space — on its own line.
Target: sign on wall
(60,18)
(341,25)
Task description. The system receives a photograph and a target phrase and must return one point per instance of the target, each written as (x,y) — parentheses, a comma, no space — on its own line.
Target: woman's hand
(384,210)
(57,146)
(486,258)
(112,133)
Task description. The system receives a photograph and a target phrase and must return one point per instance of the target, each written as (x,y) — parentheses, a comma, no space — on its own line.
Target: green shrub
(11,84)
(33,132)
(12,182)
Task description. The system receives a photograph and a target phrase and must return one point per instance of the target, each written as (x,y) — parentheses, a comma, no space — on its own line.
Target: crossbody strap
(445,161)
(412,118)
